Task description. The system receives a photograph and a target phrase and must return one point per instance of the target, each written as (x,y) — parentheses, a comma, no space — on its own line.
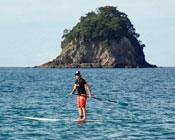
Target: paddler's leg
(80,113)
(81,102)
(83,107)
(79,108)
(84,113)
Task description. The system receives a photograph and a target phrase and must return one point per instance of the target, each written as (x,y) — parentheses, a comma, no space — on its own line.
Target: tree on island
(106,24)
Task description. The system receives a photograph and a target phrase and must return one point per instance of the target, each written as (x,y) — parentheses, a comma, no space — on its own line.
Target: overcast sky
(31,30)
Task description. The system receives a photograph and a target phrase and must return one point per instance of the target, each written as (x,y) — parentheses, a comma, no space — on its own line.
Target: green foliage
(104,25)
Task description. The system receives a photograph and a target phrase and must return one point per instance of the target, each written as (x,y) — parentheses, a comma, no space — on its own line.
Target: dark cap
(77,73)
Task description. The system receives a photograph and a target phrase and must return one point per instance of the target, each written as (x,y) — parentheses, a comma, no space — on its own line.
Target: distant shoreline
(81,68)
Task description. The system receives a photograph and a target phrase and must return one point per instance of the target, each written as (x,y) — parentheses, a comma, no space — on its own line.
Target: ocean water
(134,104)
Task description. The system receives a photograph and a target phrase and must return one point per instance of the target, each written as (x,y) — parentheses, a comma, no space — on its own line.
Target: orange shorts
(81,101)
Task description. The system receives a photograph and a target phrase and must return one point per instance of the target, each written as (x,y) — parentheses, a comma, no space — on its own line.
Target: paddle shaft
(100,99)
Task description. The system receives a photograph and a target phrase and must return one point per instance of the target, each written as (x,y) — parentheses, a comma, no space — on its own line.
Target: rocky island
(105,38)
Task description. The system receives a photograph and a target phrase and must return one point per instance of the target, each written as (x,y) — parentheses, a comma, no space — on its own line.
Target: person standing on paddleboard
(80,86)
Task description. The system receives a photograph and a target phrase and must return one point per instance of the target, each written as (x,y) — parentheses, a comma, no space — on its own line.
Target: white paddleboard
(55,120)
(43,119)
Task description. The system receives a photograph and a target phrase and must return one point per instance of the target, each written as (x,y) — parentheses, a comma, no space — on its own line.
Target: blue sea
(129,104)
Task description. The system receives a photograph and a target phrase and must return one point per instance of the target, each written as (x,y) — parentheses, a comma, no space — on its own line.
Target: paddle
(99,99)
(111,101)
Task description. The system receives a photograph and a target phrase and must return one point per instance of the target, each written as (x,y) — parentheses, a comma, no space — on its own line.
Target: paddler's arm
(89,90)
(73,90)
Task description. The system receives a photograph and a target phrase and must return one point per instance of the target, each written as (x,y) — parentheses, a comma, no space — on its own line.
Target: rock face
(96,55)
(123,51)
